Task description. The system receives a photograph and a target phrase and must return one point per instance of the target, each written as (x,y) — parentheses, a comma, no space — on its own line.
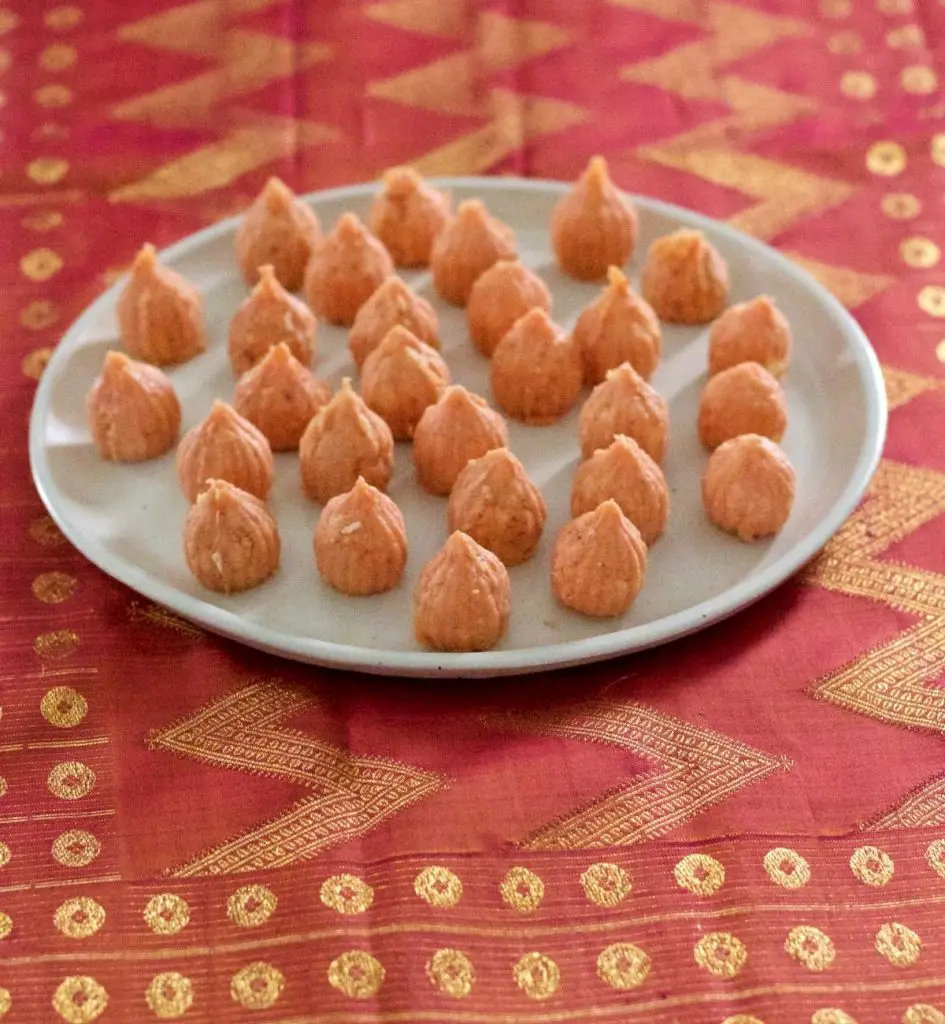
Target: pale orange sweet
(345,441)
(132,410)
(618,327)
(361,542)
(225,446)
(459,427)
(160,314)
(495,503)
(231,542)
(393,304)
(748,487)
(267,317)
(279,231)
(744,399)
(685,279)
(536,371)
(593,227)
(755,331)
(407,216)
(402,377)
(505,292)
(598,566)
(345,270)
(625,473)
(280,396)
(465,249)
(625,404)
(462,600)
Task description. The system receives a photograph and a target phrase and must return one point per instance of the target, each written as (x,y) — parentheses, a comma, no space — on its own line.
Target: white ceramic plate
(128,519)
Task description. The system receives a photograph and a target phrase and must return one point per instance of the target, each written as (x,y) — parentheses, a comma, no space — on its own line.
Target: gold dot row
(357,974)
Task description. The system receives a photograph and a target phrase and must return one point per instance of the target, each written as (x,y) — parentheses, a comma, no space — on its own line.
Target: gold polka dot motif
(64,17)
(623,965)
(937,148)
(699,874)
(6,1001)
(3,786)
(836,9)
(904,37)
(923,1013)
(722,954)
(251,906)
(166,913)
(54,587)
(935,851)
(34,365)
(38,315)
(858,85)
(57,57)
(356,974)
(75,848)
(786,868)
(257,986)
(900,206)
(47,535)
(886,159)
(895,6)
(438,886)
(811,947)
(347,894)
(899,944)
(522,890)
(63,707)
(170,995)
(844,43)
(5,855)
(79,999)
(452,972)
(53,95)
(41,264)
(45,220)
(831,1015)
(79,918)
(743,1018)
(71,780)
(8,21)
(918,79)
(537,975)
(931,300)
(607,885)
(6,925)
(871,866)
(47,170)
(58,644)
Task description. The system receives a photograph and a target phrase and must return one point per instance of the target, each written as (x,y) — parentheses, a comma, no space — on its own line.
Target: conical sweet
(160,314)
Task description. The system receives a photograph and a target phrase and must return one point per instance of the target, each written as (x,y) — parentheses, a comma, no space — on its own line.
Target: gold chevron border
(242,732)
(697,768)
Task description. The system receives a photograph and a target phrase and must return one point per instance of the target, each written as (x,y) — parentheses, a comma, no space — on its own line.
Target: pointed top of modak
(116,364)
(222,494)
(596,175)
(349,228)
(277,196)
(401,181)
(617,281)
(268,284)
(539,328)
(222,412)
(456,399)
(146,259)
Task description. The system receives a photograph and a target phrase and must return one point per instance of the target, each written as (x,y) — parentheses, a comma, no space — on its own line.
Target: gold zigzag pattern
(697,768)
(242,732)
(892,682)
(246,62)
(694,71)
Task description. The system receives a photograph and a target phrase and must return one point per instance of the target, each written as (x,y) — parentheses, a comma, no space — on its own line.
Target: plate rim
(494,663)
